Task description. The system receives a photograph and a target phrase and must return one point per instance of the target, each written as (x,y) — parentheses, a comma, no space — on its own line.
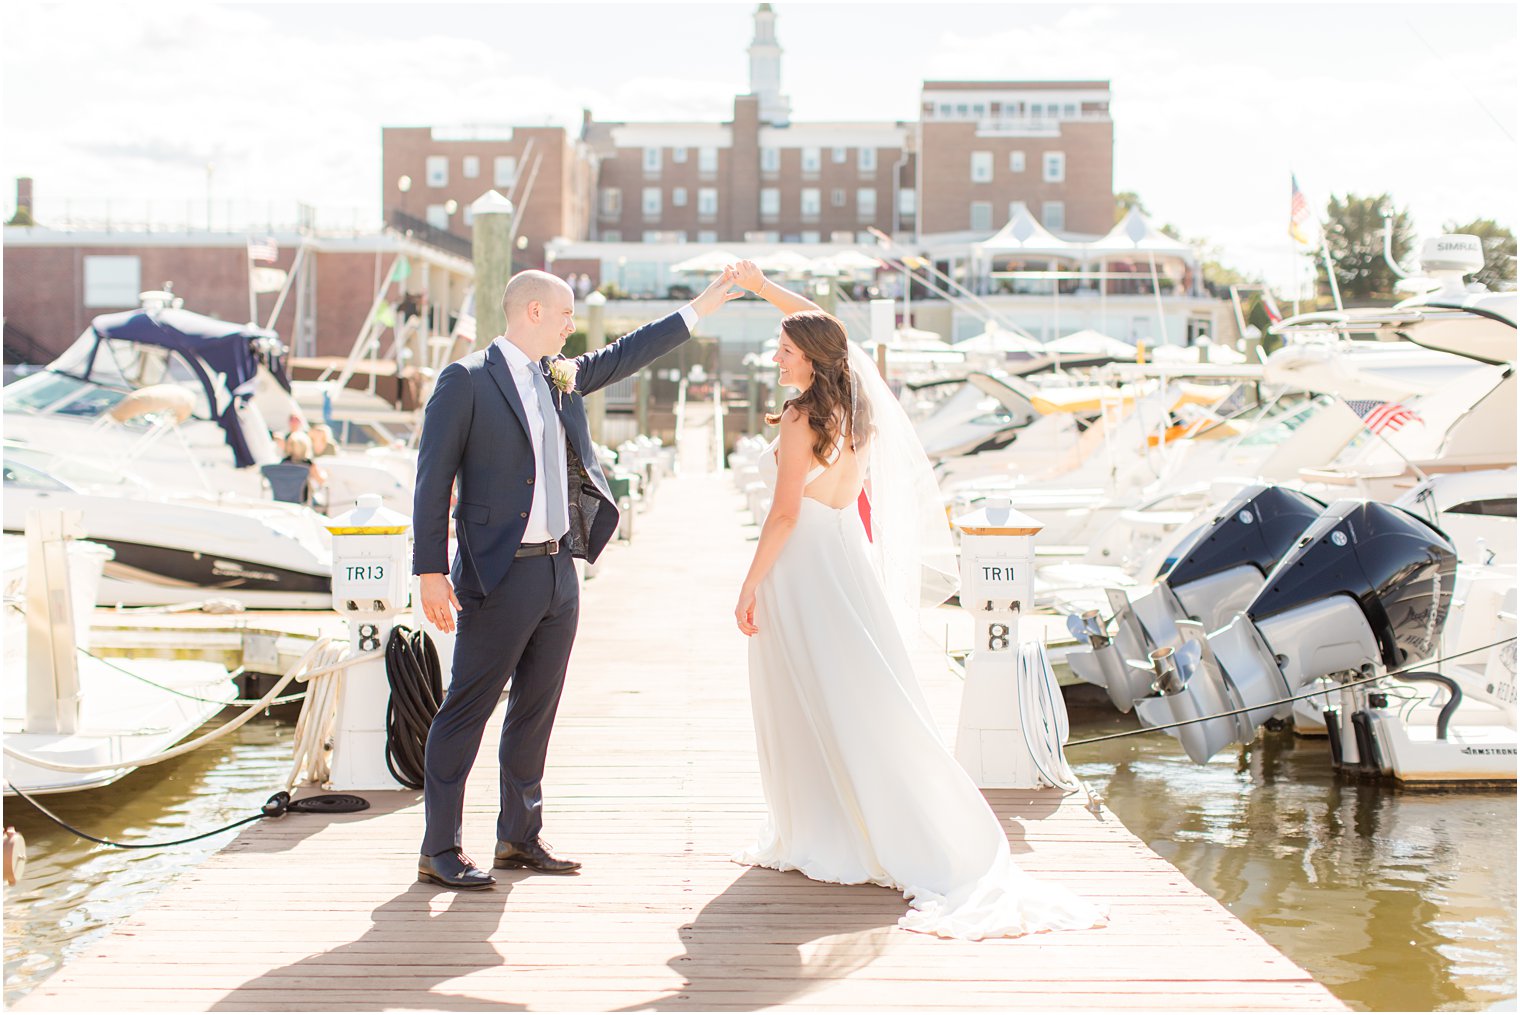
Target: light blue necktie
(553,457)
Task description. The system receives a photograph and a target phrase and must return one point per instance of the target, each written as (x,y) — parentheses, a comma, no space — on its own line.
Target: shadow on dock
(384,966)
(734,959)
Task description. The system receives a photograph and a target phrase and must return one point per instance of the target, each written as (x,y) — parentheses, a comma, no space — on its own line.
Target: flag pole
(253,298)
(1335,289)
(1402,457)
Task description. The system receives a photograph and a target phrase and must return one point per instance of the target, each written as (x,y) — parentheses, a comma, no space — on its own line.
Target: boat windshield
(20,476)
(1276,429)
(76,385)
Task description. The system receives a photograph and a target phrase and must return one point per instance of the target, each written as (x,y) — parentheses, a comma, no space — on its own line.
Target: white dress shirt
(523,368)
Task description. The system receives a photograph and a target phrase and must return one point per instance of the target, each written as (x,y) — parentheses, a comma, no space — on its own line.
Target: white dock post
(997,563)
(371,579)
(52,667)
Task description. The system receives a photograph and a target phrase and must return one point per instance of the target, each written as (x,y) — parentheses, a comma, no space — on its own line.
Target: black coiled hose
(411,667)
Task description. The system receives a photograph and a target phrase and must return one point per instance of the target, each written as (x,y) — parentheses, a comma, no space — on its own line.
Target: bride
(858,785)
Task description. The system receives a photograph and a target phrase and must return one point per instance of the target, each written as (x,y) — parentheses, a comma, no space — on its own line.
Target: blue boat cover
(215,350)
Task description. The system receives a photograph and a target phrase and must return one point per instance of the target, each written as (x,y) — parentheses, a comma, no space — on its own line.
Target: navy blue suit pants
(524,630)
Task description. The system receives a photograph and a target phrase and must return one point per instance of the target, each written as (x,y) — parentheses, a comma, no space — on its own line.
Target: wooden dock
(652,783)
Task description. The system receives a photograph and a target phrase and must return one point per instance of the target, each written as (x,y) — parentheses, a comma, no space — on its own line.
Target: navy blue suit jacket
(476,429)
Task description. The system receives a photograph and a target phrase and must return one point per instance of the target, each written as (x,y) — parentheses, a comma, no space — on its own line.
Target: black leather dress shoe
(533,855)
(453,870)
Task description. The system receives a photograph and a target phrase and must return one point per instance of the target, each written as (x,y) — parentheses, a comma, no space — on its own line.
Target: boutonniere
(562,376)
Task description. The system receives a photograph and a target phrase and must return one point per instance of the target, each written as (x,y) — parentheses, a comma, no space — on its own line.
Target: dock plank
(652,783)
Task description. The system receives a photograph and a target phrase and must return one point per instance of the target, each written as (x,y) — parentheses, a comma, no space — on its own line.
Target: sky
(1214,105)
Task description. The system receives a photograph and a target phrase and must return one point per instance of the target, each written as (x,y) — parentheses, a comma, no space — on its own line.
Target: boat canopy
(224,356)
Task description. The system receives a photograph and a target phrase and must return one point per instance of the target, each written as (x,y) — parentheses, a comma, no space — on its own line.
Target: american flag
(1380,416)
(264,250)
(1300,219)
(1273,313)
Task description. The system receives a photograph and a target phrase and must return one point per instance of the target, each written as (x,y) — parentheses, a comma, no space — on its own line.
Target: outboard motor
(1216,573)
(1365,590)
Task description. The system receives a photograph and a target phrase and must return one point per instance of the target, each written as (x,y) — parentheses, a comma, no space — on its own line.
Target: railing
(680,416)
(23,348)
(197,215)
(425,232)
(717,424)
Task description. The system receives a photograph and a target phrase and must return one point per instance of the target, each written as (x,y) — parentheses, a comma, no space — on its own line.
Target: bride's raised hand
(744,613)
(748,275)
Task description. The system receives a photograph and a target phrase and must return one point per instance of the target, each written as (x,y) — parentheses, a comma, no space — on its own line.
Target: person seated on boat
(322,440)
(298,451)
(278,440)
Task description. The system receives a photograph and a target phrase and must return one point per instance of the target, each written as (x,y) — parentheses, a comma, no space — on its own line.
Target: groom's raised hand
(715,295)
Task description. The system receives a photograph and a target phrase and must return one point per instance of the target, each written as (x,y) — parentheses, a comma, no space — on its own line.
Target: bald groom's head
(540,312)
(529,287)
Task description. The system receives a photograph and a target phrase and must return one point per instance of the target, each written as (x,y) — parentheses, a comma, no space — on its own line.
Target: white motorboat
(67,707)
(94,401)
(177,547)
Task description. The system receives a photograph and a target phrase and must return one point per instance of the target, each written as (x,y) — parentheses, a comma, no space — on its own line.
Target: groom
(508,422)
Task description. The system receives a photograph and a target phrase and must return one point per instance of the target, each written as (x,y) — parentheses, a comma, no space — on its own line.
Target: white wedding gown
(858,784)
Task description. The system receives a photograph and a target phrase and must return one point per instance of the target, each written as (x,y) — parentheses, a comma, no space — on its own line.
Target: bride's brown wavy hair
(826,402)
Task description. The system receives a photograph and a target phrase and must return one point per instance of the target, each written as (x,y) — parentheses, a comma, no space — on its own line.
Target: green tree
(1354,232)
(1124,201)
(1498,251)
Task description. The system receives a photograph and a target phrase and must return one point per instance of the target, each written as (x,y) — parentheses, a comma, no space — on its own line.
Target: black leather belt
(548,549)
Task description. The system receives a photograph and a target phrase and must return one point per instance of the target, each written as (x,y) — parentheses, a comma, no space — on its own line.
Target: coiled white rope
(313,747)
(324,657)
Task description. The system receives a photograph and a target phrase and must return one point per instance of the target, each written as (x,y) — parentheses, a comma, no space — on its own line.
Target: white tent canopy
(999,340)
(1135,235)
(705,264)
(1023,234)
(1088,342)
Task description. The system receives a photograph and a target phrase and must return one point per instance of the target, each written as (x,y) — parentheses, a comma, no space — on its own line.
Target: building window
(1053,214)
(812,203)
(707,201)
(1069,111)
(651,160)
(438,216)
(437,170)
(981,216)
(770,202)
(707,236)
(841,156)
(470,167)
(651,204)
(867,161)
(612,235)
(468,214)
(770,160)
(811,236)
(505,172)
(865,203)
(907,201)
(812,160)
(1016,162)
(678,197)
(678,155)
(707,160)
(836,197)
(612,203)
(981,167)
(1055,167)
(112,280)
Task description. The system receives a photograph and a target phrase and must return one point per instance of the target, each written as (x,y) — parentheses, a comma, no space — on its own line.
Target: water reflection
(75,891)
(1395,900)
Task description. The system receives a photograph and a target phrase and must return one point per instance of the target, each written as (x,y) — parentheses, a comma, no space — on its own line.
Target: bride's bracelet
(763,283)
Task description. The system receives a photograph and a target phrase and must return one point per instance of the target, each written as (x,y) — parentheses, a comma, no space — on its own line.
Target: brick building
(975,149)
